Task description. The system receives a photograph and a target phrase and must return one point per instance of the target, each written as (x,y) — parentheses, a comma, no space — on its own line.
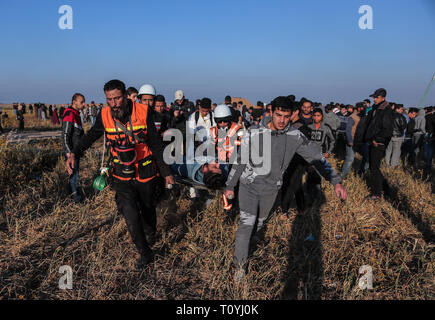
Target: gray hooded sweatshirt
(322,137)
(284,144)
(331,119)
(420,122)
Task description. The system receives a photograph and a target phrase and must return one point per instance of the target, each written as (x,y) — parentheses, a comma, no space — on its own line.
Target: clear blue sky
(253,49)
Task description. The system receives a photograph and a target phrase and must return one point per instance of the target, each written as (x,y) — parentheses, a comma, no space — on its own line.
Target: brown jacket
(356,120)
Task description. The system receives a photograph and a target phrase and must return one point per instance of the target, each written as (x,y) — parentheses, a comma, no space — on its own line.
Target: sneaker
(192,193)
(208,203)
(145,260)
(77,198)
(150,238)
(240,273)
(372,197)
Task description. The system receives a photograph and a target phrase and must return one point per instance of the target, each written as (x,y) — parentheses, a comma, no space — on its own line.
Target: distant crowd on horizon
(411,141)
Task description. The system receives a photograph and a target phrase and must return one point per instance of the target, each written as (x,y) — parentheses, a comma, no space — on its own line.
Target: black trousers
(135,201)
(340,146)
(292,185)
(376,177)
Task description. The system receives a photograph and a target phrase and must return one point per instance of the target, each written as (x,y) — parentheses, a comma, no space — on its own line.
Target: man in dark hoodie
(260,183)
(378,133)
(408,153)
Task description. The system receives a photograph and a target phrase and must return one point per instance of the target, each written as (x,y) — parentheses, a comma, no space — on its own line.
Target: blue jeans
(363,150)
(348,161)
(74,180)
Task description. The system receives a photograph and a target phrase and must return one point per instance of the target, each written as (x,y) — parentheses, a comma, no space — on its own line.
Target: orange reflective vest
(144,165)
(225,145)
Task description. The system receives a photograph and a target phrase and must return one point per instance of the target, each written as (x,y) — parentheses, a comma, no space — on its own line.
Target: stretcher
(227,203)
(190,183)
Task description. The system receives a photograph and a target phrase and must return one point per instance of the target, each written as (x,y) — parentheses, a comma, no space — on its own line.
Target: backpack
(213,123)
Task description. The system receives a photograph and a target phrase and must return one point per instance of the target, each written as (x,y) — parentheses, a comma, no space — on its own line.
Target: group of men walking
(290,133)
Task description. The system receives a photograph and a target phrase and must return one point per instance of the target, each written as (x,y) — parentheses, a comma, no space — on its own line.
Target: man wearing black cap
(378,133)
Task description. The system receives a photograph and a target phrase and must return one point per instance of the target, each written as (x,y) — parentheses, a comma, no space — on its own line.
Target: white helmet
(147,89)
(222,111)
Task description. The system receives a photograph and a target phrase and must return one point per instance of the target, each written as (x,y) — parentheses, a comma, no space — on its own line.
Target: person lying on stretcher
(210,174)
(207,172)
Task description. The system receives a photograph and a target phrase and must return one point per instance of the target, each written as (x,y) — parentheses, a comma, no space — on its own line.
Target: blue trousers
(348,161)
(363,150)
(74,180)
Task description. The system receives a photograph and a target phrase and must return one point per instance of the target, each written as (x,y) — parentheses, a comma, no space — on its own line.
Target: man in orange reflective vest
(226,136)
(136,158)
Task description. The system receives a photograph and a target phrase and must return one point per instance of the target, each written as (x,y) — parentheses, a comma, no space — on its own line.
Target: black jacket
(187,107)
(161,121)
(430,126)
(379,126)
(20,115)
(235,114)
(410,128)
(399,124)
(154,140)
(179,123)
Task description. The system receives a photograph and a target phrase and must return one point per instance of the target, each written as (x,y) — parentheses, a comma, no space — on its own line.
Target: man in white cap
(184,104)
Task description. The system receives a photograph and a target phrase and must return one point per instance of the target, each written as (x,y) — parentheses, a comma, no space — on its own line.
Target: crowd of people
(304,136)
(52,113)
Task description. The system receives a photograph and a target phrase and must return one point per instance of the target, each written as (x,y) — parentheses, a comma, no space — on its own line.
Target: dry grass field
(31,123)
(41,229)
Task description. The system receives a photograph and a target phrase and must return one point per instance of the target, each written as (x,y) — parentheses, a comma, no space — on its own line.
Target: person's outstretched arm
(311,154)
(88,139)
(85,142)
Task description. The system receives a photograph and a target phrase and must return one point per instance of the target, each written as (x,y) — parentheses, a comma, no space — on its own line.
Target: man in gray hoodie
(418,135)
(331,119)
(259,185)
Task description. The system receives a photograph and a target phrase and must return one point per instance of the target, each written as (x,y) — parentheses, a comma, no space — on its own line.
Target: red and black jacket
(72,129)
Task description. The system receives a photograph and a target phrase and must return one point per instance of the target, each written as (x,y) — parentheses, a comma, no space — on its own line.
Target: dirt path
(14,137)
